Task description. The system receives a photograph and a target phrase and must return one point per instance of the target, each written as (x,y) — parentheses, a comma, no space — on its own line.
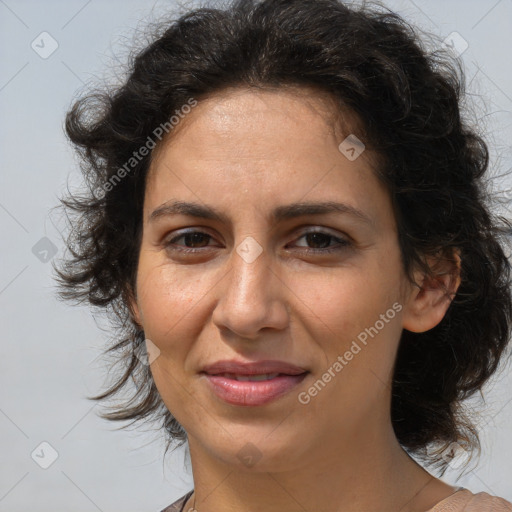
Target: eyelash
(342,243)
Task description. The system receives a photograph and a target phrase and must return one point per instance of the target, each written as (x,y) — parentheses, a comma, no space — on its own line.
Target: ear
(133,307)
(429,300)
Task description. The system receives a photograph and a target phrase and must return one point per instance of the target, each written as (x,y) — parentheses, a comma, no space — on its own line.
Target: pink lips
(252,393)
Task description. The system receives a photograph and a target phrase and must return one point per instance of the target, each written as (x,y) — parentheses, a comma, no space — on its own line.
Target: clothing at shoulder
(177,506)
(461,501)
(465,501)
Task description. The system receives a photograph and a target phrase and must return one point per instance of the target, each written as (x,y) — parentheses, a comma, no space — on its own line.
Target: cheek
(346,300)
(349,313)
(169,303)
(168,298)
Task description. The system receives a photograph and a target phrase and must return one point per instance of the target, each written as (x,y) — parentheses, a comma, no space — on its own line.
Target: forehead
(265,123)
(268,146)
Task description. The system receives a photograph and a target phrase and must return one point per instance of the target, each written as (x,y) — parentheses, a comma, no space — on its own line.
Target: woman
(288,219)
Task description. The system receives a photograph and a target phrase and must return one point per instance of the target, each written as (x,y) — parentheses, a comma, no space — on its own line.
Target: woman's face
(258,288)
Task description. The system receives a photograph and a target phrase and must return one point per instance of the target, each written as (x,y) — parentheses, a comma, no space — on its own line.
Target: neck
(370,472)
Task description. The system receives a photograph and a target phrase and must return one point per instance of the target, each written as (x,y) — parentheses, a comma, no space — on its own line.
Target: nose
(252,296)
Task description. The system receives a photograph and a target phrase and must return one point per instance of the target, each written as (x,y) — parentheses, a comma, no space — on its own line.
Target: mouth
(251,378)
(252,390)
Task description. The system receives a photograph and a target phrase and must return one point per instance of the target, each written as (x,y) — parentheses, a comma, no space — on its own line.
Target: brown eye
(323,239)
(196,239)
(318,239)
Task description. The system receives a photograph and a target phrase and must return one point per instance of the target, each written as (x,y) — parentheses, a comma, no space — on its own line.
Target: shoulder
(177,506)
(465,501)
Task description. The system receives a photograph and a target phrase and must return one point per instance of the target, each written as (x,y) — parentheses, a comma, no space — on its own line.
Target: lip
(255,393)
(252,367)
(252,393)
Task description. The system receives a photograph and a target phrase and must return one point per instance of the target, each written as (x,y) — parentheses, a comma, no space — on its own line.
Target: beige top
(460,501)
(465,501)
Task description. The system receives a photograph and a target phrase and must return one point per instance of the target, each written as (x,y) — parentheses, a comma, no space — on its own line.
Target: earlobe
(135,314)
(430,298)
(133,308)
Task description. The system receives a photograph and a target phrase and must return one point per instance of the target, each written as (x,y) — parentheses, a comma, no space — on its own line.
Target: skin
(244,152)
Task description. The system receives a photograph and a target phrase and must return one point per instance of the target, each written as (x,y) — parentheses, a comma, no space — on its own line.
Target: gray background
(50,351)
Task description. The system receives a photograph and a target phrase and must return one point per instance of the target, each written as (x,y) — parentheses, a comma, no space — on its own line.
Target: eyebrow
(289,211)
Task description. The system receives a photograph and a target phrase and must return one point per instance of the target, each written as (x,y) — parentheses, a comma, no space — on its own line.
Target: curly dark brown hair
(409,103)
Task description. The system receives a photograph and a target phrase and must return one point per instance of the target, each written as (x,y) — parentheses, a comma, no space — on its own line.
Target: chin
(264,449)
